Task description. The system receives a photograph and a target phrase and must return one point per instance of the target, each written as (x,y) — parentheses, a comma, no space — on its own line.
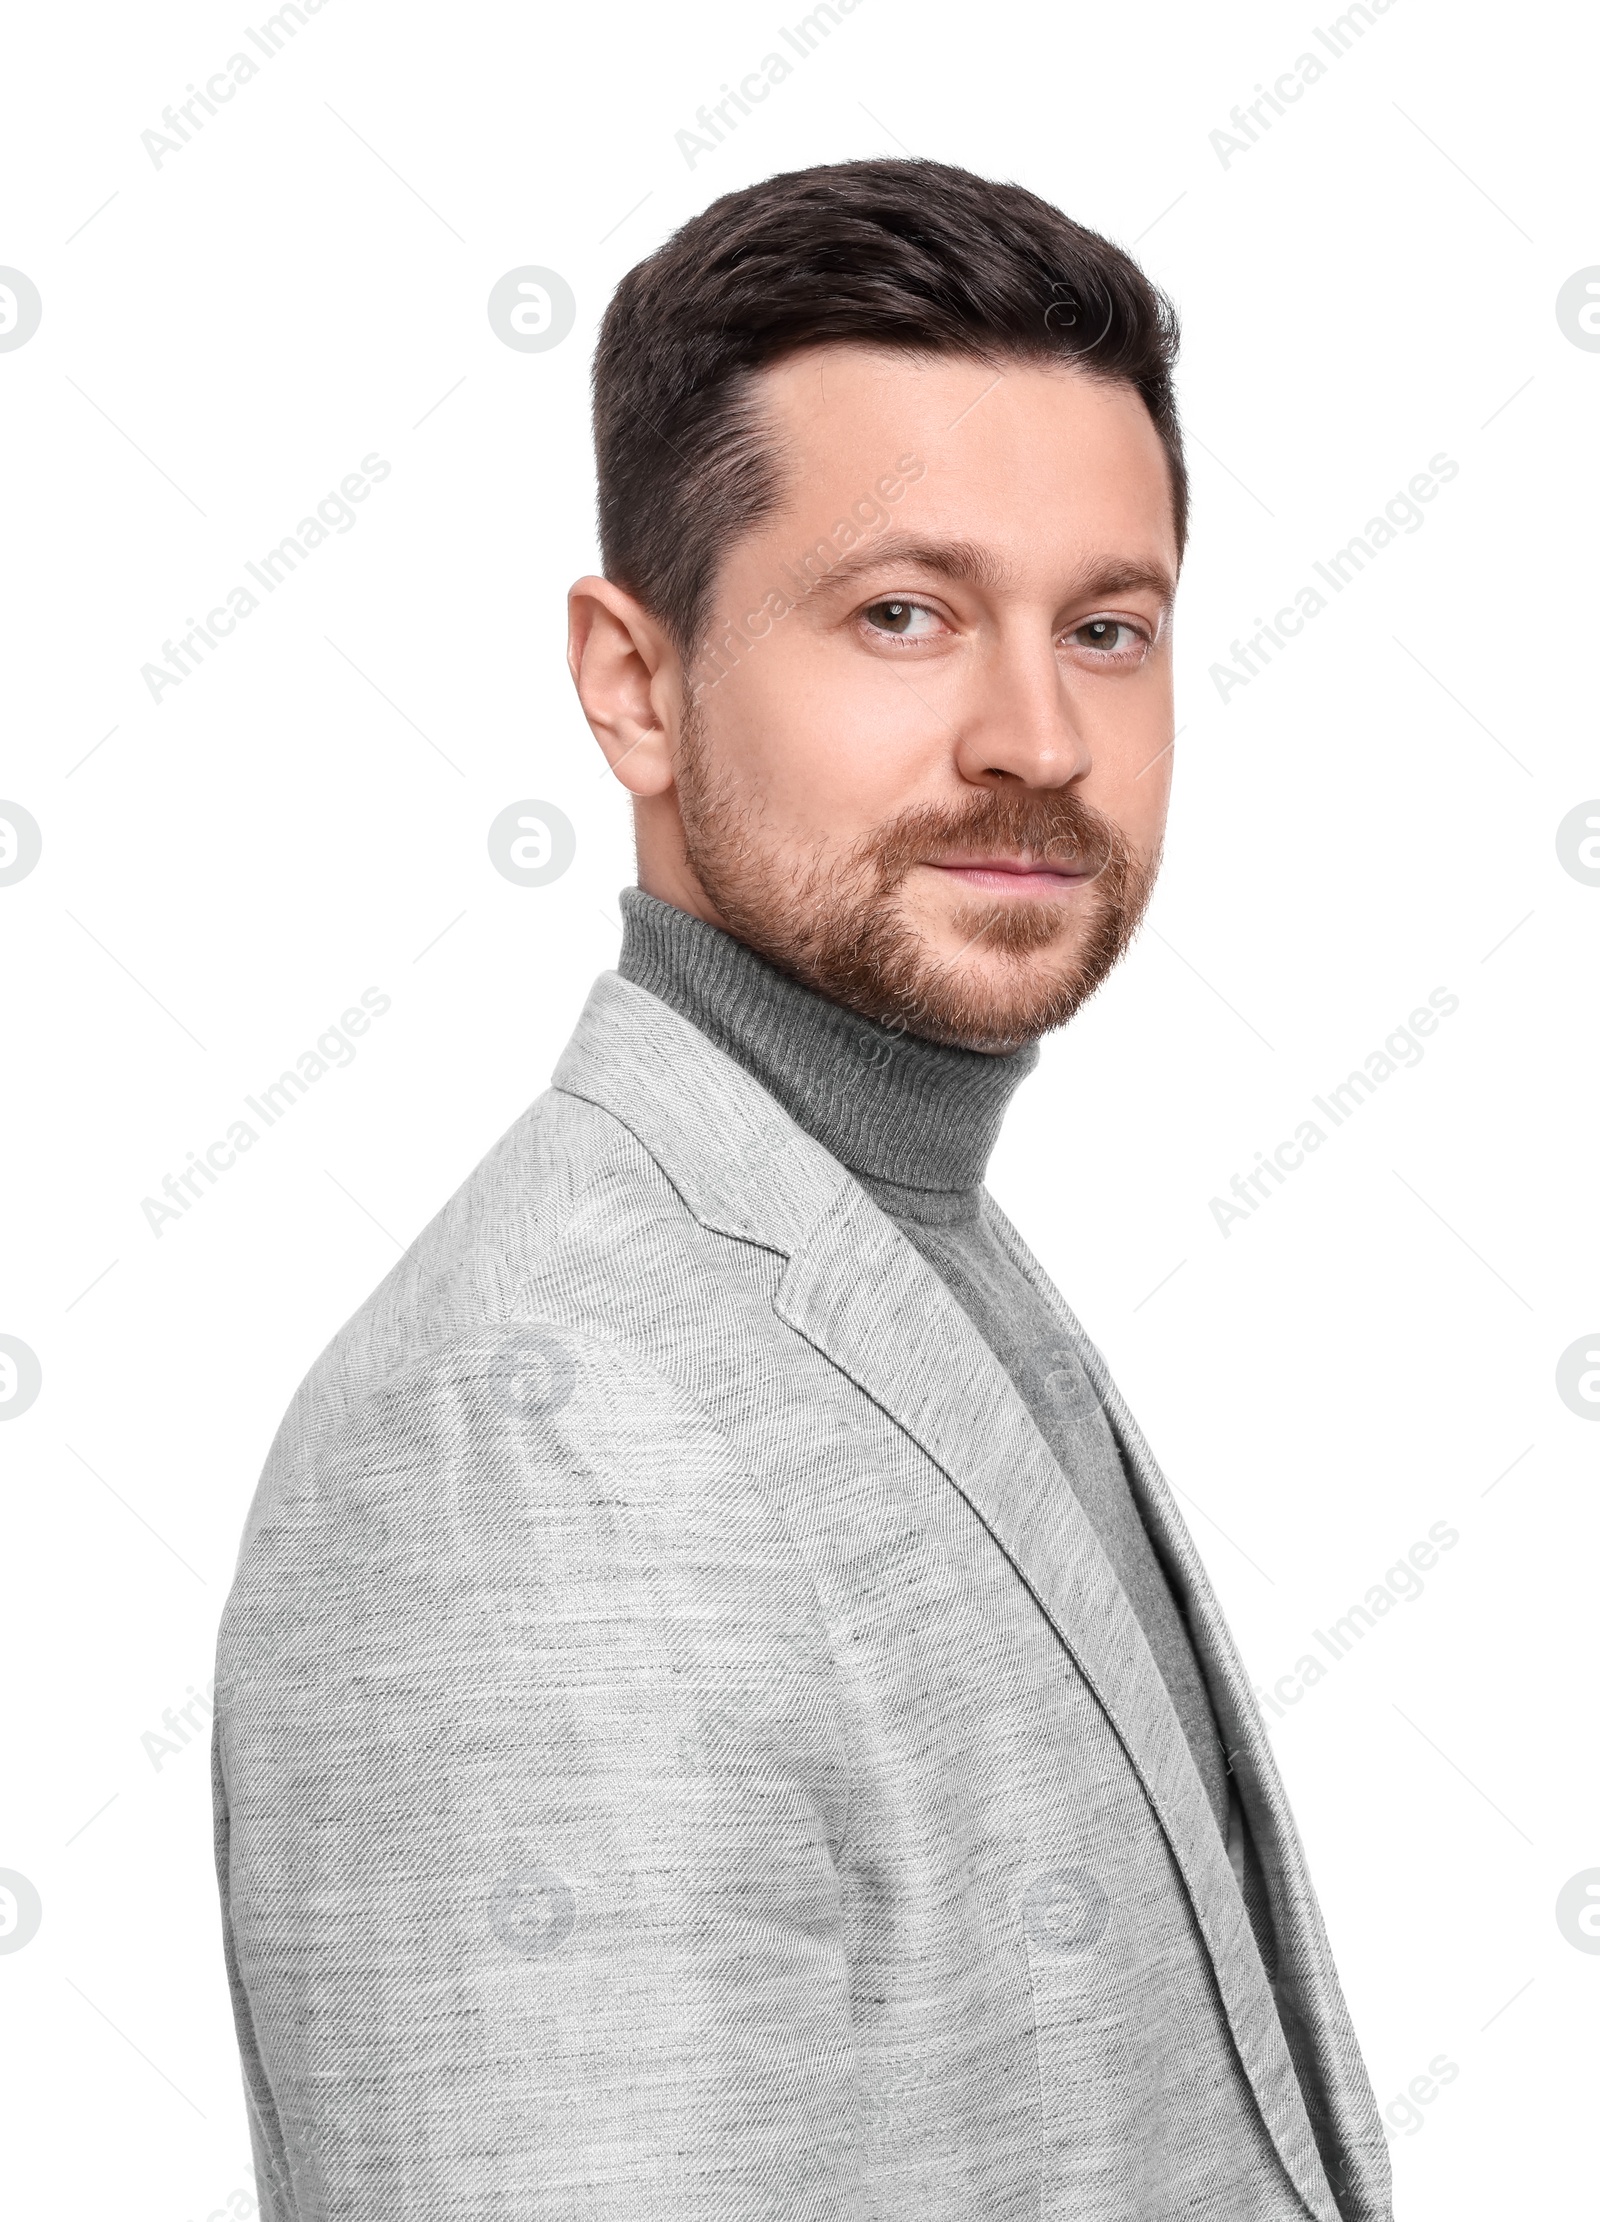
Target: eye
(905,620)
(1108,637)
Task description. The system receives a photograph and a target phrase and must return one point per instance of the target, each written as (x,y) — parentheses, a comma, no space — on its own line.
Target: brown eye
(892,617)
(1109,635)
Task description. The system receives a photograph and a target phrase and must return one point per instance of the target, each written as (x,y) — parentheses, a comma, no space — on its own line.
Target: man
(719,1715)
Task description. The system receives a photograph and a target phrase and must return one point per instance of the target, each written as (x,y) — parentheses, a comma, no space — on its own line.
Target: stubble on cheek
(990,975)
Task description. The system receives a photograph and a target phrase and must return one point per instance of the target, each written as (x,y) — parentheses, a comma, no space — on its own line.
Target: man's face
(931,777)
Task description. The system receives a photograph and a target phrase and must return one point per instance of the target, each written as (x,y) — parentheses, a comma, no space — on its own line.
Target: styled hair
(913,255)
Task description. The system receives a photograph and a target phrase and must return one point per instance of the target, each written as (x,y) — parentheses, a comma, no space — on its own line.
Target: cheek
(1129,729)
(826,741)
(1142,812)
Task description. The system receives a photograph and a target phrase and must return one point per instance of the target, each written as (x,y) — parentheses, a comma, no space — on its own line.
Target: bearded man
(718,1713)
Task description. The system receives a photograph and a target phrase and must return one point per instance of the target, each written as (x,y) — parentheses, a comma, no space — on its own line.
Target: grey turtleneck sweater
(914,1122)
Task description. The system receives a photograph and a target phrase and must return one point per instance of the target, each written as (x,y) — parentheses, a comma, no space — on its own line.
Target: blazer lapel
(938,1379)
(745,1169)
(1308,1992)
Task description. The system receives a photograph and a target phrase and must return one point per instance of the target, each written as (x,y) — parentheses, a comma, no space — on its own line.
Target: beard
(840,922)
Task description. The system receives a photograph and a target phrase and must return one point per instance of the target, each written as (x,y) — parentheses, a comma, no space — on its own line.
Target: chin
(994,976)
(999,1007)
(1008,930)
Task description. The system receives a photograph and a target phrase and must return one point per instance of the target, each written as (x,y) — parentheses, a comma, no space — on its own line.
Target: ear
(628,679)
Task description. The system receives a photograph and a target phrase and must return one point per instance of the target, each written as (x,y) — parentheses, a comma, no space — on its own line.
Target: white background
(1374,1351)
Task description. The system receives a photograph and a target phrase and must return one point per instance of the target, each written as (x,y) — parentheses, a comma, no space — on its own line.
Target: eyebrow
(966,562)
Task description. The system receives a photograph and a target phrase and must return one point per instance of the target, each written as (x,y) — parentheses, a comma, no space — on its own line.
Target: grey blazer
(682,1754)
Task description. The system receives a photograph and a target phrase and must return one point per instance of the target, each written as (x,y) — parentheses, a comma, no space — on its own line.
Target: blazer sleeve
(530,1785)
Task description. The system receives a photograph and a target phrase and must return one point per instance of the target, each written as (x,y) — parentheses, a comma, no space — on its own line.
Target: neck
(889,1107)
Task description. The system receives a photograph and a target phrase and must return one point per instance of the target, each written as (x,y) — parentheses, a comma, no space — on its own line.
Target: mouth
(1016,877)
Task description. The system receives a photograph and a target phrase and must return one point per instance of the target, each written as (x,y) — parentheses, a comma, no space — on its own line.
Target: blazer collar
(745,1169)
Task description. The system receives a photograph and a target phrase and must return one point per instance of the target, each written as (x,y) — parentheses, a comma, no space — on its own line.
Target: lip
(1011,875)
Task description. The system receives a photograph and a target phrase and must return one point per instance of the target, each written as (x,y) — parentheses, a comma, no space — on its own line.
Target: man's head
(892,503)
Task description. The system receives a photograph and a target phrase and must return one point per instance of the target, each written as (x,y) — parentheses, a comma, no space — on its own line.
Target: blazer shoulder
(565,1184)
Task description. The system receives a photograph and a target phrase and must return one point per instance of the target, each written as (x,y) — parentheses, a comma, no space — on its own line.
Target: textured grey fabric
(681,1752)
(915,1122)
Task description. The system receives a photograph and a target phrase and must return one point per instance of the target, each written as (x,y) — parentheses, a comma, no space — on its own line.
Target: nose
(1027,727)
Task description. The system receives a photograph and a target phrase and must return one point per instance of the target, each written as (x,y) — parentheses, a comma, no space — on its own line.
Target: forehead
(1021,456)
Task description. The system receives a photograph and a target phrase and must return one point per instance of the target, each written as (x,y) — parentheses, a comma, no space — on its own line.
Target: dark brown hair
(914,255)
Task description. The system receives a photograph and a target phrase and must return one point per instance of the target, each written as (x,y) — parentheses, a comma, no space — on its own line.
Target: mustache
(1053,824)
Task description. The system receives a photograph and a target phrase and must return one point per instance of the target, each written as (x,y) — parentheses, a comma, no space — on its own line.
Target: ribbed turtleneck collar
(888,1107)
